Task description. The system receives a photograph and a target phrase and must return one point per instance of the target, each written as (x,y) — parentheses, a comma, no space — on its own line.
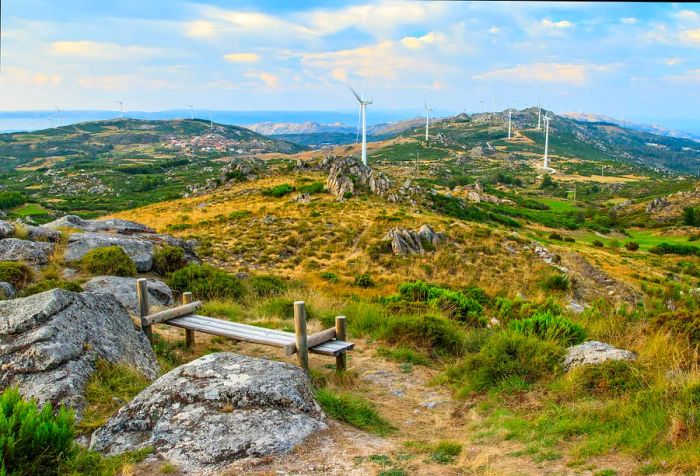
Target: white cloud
(568,73)
(629,20)
(102,50)
(673,61)
(242,57)
(690,76)
(688,16)
(548,24)
(271,81)
(494,29)
(418,42)
(13,75)
(690,36)
(108,82)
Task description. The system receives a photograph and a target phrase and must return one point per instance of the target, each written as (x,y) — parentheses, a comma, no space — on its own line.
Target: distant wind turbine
(546,141)
(363,113)
(58,115)
(427,120)
(121,108)
(539,115)
(510,117)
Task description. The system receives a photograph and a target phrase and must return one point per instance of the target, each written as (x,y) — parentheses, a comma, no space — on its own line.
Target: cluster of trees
(11,199)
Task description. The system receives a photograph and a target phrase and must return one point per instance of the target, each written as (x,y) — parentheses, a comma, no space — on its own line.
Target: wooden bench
(330,342)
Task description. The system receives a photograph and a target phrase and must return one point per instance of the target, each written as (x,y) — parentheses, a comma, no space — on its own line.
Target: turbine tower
(510,117)
(539,115)
(363,113)
(546,141)
(121,108)
(427,120)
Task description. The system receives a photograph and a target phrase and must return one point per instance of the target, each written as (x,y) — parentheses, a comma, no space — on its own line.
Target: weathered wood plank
(142,296)
(340,333)
(318,338)
(272,333)
(179,311)
(300,332)
(187,298)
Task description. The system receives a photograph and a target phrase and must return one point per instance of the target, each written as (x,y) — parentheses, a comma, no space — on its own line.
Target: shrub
(597,243)
(632,246)
(330,277)
(32,441)
(354,410)
(266,285)
(11,199)
(681,322)
(278,190)
(312,188)
(556,282)
(457,304)
(17,274)
(51,283)
(550,326)
(610,377)
(364,281)
(168,259)
(404,354)
(206,282)
(555,236)
(433,333)
(110,260)
(691,216)
(507,358)
(676,249)
(446,451)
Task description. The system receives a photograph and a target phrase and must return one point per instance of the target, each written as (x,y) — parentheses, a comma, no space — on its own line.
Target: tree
(548,182)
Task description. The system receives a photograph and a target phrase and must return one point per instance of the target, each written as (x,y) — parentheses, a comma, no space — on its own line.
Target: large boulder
(43,233)
(215,410)
(162,239)
(114,225)
(32,252)
(347,175)
(139,250)
(593,352)
(50,344)
(124,289)
(408,242)
(7,229)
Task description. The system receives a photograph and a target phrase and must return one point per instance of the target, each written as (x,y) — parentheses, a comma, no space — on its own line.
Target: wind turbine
(427,120)
(363,113)
(546,141)
(121,108)
(539,115)
(58,115)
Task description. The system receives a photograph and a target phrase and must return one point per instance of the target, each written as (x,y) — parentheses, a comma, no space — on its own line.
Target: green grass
(354,410)
(646,238)
(559,206)
(404,354)
(29,209)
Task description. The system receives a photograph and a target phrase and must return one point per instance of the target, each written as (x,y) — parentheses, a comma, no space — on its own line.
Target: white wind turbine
(510,118)
(546,141)
(427,120)
(539,115)
(363,113)
(121,108)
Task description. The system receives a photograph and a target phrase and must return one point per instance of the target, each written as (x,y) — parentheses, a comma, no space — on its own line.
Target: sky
(634,61)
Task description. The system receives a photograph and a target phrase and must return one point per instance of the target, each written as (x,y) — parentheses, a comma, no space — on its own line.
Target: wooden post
(300,331)
(189,334)
(340,334)
(142,295)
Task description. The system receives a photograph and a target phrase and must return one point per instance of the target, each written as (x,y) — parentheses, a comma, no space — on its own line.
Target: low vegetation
(206,282)
(110,260)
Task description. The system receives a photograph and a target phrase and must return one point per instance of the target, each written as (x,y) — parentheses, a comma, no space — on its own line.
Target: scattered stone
(43,233)
(69,273)
(114,225)
(302,198)
(7,290)
(398,393)
(594,352)
(204,415)
(575,307)
(657,204)
(31,252)
(50,343)
(7,229)
(139,250)
(124,289)
(621,205)
(408,242)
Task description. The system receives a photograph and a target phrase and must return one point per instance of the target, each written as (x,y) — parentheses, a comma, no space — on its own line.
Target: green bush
(691,216)
(110,260)
(446,451)
(206,282)
(51,283)
(330,277)
(680,322)
(556,282)
(353,410)
(507,359)
(436,334)
(10,199)
(676,249)
(312,188)
(278,191)
(33,441)
(266,285)
(17,274)
(550,326)
(457,304)
(611,377)
(632,246)
(597,243)
(168,259)
(555,236)
(364,281)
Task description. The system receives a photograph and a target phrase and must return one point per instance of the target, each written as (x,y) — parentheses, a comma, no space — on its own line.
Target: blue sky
(634,61)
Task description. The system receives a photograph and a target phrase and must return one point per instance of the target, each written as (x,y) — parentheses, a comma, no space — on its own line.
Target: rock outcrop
(347,176)
(246,169)
(50,343)
(215,410)
(42,233)
(124,289)
(657,204)
(30,252)
(7,229)
(594,352)
(408,242)
(139,250)
(113,225)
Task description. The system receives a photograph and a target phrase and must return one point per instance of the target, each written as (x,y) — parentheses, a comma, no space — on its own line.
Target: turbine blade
(359,119)
(355,93)
(364,91)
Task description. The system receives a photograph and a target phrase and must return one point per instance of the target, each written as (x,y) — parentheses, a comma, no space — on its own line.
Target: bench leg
(340,334)
(189,334)
(300,331)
